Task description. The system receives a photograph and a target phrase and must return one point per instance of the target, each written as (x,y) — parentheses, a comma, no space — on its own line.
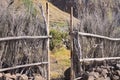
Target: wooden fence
(44,62)
(80,51)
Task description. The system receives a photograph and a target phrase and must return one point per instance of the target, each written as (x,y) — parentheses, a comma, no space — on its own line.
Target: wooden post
(47,18)
(71,36)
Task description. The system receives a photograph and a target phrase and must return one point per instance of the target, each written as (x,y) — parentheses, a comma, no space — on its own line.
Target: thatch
(22,18)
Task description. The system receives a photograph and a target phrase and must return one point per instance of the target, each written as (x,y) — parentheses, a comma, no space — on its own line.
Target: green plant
(57,37)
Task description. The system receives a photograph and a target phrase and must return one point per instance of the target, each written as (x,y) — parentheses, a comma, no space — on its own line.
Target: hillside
(58,17)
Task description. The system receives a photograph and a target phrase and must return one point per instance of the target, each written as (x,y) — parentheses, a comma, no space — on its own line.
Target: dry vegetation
(15,20)
(22,18)
(100,17)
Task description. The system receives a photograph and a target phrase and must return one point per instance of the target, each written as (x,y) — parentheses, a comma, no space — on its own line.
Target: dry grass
(60,61)
(57,15)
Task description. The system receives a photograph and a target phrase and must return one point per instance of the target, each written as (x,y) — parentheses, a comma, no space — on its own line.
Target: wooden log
(23,66)
(98,36)
(99,59)
(24,37)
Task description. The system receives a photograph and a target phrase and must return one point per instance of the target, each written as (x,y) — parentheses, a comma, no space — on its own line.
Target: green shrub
(57,37)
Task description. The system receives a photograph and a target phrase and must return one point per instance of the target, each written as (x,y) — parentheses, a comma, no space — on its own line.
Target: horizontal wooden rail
(98,36)
(22,66)
(99,59)
(24,37)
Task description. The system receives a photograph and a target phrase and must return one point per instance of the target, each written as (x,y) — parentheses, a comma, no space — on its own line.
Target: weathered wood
(23,37)
(23,66)
(99,36)
(47,17)
(71,41)
(99,59)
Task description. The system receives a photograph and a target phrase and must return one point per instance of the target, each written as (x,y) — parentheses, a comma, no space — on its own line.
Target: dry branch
(24,37)
(99,59)
(22,66)
(99,36)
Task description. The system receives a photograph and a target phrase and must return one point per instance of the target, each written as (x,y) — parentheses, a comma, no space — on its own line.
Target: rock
(39,77)
(104,73)
(105,70)
(118,72)
(18,76)
(67,74)
(91,78)
(13,77)
(94,74)
(101,78)
(24,77)
(98,69)
(115,77)
(107,78)
(8,76)
(118,66)
(1,75)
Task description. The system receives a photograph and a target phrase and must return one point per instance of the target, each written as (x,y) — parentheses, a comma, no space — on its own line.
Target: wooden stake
(71,40)
(47,18)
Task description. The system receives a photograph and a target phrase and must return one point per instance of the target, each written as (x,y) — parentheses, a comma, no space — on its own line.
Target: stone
(96,75)
(105,70)
(118,72)
(98,69)
(1,75)
(24,77)
(39,77)
(101,78)
(104,74)
(91,78)
(107,78)
(115,77)
(118,66)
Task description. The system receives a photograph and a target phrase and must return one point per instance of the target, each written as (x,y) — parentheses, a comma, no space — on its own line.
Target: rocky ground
(99,73)
(9,76)
(102,73)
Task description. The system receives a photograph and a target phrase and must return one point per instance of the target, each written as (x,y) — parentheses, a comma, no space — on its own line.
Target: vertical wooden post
(71,36)
(47,18)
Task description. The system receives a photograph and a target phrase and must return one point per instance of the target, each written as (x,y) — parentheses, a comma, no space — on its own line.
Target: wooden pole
(47,16)
(71,40)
